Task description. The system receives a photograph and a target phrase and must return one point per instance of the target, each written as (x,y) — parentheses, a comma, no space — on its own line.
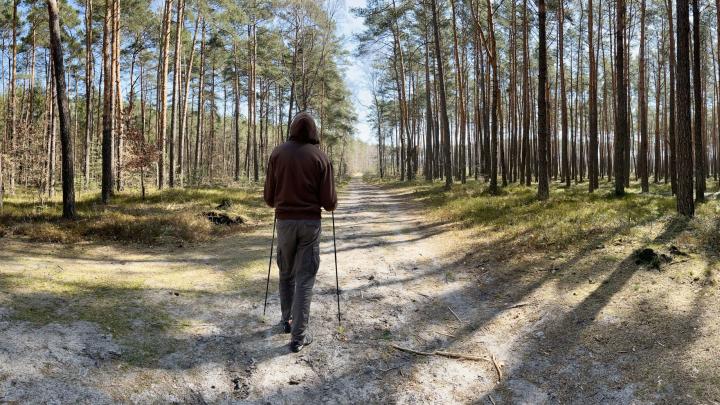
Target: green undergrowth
(570,217)
(166,216)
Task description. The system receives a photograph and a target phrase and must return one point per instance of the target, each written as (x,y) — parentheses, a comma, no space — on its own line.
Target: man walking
(299,182)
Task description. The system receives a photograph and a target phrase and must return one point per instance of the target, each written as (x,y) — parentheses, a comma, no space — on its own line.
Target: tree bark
(182,156)
(565,172)
(621,121)
(68,174)
(12,124)
(699,107)
(526,158)
(672,101)
(642,108)
(443,103)
(108,114)
(593,172)
(460,94)
(88,92)
(428,112)
(118,100)
(163,63)
(685,204)
(175,108)
(200,108)
(543,186)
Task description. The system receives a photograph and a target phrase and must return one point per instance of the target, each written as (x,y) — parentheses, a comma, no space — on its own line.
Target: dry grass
(571,218)
(167,216)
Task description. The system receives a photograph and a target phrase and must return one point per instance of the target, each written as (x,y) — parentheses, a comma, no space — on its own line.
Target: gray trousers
(298,258)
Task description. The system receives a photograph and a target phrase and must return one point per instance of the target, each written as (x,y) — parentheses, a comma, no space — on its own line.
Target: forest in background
(171,93)
(630,91)
(198,93)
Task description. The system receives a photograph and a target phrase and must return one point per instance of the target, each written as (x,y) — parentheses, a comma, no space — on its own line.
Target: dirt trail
(195,332)
(219,346)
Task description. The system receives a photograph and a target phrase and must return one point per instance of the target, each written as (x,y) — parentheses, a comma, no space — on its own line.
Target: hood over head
(303,129)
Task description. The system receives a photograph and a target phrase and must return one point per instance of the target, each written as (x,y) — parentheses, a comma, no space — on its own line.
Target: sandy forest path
(195,330)
(100,324)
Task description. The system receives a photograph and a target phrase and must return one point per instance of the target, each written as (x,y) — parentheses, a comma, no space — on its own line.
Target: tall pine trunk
(443,102)
(642,162)
(182,157)
(526,156)
(108,113)
(163,63)
(699,110)
(621,110)
(88,93)
(68,173)
(543,186)
(175,108)
(685,204)
(672,102)
(565,172)
(593,172)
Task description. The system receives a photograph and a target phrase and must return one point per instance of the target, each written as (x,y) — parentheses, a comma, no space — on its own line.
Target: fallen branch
(491,399)
(456,315)
(452,355)
(441,353)
(497,368)
(444,334)
(520,304)
(407,350)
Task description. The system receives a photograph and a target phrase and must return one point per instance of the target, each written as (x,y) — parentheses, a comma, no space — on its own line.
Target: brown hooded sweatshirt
(300,176)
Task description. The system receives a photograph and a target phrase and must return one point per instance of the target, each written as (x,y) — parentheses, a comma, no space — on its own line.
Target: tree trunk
(68,174)
(543,186)
(443,102)
(699,110)
(236,79)
(565,172)
(200,108)
(428,113)
(108,114)
(460,95)
(163,63)
(175,109)
(118,109)
(182,132)
(495,100)
(621,121)
(658,95)
(642,165)
(593,172)
(685,205)
(12,124)
(88,93)
(252,130)
(672,102)
(526,99)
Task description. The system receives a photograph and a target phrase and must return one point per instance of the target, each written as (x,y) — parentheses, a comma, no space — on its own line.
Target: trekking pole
(337,281)
(272,242)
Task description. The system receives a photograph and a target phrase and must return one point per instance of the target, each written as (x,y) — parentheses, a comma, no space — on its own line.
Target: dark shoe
(287,328)
(297,345)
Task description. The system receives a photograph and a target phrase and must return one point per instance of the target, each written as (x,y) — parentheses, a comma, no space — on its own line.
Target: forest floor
(557,302)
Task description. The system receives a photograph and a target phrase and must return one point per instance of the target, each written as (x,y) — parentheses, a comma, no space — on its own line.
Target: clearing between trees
(616,301)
